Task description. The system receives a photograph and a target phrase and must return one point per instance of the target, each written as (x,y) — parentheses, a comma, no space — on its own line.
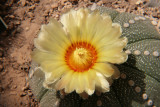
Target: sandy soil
(24,19)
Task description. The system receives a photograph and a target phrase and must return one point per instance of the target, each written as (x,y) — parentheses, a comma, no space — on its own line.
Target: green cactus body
(139,82)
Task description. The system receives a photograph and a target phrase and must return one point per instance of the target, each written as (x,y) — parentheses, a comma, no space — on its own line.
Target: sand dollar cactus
(138,82)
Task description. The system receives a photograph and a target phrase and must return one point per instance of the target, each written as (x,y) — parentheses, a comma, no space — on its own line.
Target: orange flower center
(80,56)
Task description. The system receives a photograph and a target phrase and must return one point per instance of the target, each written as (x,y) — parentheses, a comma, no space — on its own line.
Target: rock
(99,3)
(54,5)
(32,7)
(30,14)
(14,86)
(22,94)
(30,94)
(23,2)
(12,16)
(17,22)
(27,28)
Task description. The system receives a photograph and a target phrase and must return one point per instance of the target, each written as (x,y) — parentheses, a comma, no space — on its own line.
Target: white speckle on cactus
(150,102)
(123,76)
(144,96)
(99,103)
(154,23)
(84,95)
(142,18)
(146,53)
(128,52)
(57,103)
(131,21)
(131,82)
(137,52)
(136,18)
(155,53)
(138,89)
(126,24)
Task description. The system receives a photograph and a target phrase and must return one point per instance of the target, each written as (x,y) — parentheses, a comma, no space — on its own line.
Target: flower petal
(109,36)
(113,53)
(52,38)
(102,84)
(72,21)
(89,82)
(40,56)
(55,74)
(104,68)
(64,81)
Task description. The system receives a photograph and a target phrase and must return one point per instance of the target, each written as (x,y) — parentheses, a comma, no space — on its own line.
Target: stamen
(80,56)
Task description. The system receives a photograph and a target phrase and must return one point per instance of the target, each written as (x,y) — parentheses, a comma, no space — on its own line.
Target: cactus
(139,82)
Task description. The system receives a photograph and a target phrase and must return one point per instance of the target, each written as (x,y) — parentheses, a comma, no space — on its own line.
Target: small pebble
(23,2)
(12,16)
(22,94)
(54,5)
(25,88)
(14,87)
(99,3)
(30,94)
(57,16)
(17,22)
(30,14)
(154,23)
(32,7)
(27,28)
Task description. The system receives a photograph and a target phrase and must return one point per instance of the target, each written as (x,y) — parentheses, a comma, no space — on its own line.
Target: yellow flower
(79,53)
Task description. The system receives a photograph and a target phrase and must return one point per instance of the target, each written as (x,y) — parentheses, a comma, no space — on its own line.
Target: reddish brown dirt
(24,19)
